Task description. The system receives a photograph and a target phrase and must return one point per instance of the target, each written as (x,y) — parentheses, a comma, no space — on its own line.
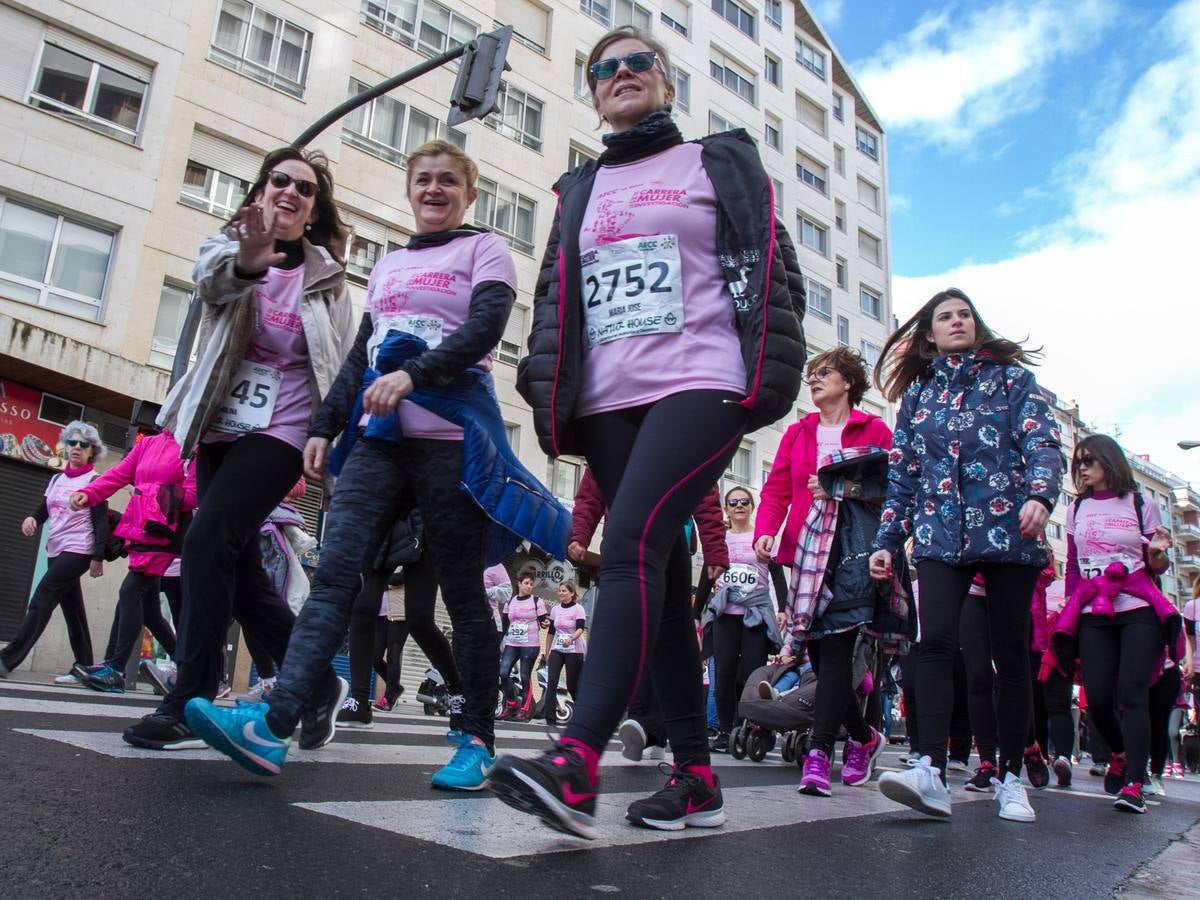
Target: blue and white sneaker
(467,769)
(456,737)
(240,732)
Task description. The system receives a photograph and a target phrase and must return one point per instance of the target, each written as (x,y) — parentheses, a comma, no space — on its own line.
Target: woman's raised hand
(256,239)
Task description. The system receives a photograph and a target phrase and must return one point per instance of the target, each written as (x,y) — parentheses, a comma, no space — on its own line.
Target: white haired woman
(75,546)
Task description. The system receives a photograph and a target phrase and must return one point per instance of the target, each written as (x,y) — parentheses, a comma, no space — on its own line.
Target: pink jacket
(786,492)
(152,462)
(1039,635)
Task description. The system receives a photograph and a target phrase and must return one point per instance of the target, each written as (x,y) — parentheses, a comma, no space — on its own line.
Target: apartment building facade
(134,130)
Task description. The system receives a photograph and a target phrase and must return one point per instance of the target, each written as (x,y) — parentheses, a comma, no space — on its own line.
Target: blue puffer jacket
(974,440)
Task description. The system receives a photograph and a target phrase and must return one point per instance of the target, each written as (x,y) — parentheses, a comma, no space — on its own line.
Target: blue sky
(1044,156)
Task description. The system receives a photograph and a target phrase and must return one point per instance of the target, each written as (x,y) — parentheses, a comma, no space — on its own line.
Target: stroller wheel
(801,746)
(770,737)
(788,751)
(756,744)
(737,742)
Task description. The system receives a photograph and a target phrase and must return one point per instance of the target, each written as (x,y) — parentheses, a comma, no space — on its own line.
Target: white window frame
(839,216)
(801,99)
(839,106)
(715,119)
(841,273)
(397,156)
(572,471)
(614,13)
(867,142)
(237,61)
(777,184)
(83,115)
(873,190)
(44,287)
(737,16)
(772,64)
(773,132)
(870,352)
(843,331)
(576,156)
(736,472)
(512,432)
(680,28)
(870,302)
(875,258)
(803,222)
(839,159)
(810,57)
(773,12)
(377,14)
(504,123)
(724,70)
(164,348)
(582,92)
(209,202)
(683,88)
(816,178)
(516,200)
(814,289)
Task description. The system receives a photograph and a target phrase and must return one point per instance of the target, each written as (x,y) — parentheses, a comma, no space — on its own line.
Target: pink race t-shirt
(829,438)
(1190,609)
(523,613)
(278,343)
(658,317)
(745,574)
(427,292)
(566,620)
(1106,531)
(70,530)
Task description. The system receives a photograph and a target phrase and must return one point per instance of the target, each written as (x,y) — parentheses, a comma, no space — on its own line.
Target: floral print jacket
(974,440)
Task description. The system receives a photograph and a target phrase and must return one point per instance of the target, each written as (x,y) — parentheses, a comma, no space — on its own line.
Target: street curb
(1171,875)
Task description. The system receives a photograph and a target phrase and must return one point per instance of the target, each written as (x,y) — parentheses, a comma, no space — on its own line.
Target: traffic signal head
(478,83)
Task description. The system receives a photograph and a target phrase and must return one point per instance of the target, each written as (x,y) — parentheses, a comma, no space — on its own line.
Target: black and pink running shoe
(555,787)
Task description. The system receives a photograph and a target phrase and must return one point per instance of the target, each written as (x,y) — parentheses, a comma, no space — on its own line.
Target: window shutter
(123,64)
(217,153)
(528,18)
(366,228)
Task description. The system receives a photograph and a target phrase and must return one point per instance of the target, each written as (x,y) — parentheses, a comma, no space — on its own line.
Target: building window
(562,477)
(870,248)
(389,129)
(813,235)
(810,57)
(870,302)
(735,14)
(839,159)
(718,123)
(867,142)
(739,466)
(733,76)
(683,88)
(577,156)
(508,352)
(513,433)
(820,298)
(839,216)
(812,173)
(843,276)
(519,116)
(89,93)
(212,191)
(262,46)
(675,15)
(870,353)
(581,84)
(52,261)
(428,26)
(364,253)
(771,70)
(173,305)
(839,107)
(771,129)
(812,115)
(843,331)
(509,214)
(614,13)
(868,195)
(778,188)
(773,12)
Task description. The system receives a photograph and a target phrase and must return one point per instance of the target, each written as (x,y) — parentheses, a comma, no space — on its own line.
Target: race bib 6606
(632,287)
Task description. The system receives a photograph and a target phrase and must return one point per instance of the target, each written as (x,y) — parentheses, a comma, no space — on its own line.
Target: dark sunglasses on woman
(77,442)
(739,501)
(283,179)
(1085,461)
(642,61)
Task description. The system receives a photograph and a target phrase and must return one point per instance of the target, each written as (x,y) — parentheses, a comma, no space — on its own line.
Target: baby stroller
(764,720)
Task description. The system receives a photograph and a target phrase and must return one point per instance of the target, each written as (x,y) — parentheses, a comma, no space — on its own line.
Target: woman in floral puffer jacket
(974,473)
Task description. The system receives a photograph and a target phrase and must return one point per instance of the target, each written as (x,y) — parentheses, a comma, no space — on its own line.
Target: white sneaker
(1014,803)
(957,765)
(766,691)
(1154,787)
(68,679)
(633,739)
(919,788)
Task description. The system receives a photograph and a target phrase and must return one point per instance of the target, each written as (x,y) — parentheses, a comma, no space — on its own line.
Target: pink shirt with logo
(1106,531)
(829,438)
(565,620)
(70,531)
(667,194)
(523,613)
(745,574)
(427,292)
(279,342)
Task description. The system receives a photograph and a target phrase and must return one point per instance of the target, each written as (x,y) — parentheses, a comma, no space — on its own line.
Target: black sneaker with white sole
(981,781)
(686,801)
(555,787)
(355,714)
(159,731)
(318,721)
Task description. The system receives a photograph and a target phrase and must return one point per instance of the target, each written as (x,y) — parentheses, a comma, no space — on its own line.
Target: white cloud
(899,203)
(827,12)
(1110,289)
(954,76)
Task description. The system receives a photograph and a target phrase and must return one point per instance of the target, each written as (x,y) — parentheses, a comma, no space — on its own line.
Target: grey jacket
(227,324)
(760,610)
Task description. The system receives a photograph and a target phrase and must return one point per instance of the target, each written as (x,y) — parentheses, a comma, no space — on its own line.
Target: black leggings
(58,587)
(974,638)
(238,484)
(1163,694)
(1057,691)
(836,703)
(138,606)
(943,592)
(738,651)
(908,688)
(654,464)
(573,662)
(1117,657)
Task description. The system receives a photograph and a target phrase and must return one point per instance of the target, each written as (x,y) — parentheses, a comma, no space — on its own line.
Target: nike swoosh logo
(249,735)
(573,798)
(692,807)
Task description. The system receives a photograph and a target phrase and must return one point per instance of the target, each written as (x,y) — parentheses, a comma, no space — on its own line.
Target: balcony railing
(1187,561)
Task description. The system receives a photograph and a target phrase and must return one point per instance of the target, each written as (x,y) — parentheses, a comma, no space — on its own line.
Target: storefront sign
(23,433)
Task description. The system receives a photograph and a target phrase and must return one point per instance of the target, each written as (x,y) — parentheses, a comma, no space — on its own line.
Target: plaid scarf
(808,596)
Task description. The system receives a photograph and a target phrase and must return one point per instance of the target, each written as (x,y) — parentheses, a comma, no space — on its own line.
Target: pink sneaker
(815,779)
(860,759)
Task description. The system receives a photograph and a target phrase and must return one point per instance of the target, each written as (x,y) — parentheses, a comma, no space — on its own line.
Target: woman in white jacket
(275,326)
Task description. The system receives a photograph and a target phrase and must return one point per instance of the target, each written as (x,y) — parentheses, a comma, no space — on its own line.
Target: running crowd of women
(666,325)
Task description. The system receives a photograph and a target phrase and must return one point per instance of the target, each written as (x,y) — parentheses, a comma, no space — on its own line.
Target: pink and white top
(273,379)
(427,292)
(523,613)
(566,621)
(1106,531)
(70,531)
(658,316)
(1190,610)
(829,438)
(745,574)
(498,588)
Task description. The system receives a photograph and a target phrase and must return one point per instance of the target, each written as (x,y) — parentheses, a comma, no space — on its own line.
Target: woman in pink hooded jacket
(163,495)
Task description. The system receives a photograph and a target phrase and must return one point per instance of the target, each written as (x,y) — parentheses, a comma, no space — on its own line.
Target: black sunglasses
(642,61)
(1087,460)
(78,442)
(739,501)
(283,179)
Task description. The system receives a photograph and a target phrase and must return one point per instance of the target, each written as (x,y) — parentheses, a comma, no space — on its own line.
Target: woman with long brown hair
(974,473)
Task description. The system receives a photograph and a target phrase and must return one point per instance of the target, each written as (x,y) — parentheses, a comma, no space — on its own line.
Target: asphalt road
(85,814)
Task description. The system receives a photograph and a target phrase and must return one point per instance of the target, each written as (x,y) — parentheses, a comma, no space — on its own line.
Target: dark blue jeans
(526,655)
(381,481)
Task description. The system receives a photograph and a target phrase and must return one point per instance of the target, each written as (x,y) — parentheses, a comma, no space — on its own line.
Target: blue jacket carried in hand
(974,440)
